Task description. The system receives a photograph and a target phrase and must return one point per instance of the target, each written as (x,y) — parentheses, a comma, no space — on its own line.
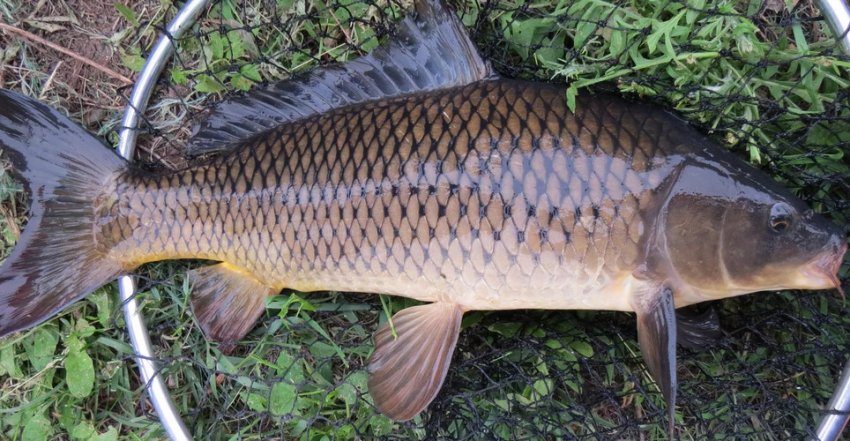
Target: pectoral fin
(407,371)
(698,330)
(226,301)
(656,324)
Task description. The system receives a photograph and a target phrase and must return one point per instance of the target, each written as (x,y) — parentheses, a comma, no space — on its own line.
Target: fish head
(729,229)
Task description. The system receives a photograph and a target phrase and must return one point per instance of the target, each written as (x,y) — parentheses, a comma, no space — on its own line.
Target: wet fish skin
(438,181)
(493,195)
(722,235)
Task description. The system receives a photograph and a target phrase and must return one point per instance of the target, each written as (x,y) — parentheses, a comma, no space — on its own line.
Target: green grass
(762,89)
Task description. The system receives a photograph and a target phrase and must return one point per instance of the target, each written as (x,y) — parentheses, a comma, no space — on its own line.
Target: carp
(416,171)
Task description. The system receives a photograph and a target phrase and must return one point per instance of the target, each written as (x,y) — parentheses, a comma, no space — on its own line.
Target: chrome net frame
(829,428)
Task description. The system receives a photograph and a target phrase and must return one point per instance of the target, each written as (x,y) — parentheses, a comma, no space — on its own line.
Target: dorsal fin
(430,51)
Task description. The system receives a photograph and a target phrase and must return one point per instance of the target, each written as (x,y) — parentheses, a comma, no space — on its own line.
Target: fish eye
(780,217)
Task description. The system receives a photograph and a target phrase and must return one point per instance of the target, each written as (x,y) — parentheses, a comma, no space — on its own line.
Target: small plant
(764,80)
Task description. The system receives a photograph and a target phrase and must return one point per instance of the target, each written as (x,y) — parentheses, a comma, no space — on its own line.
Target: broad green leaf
(282,399)
(290,367)
(208,84)
(102,300)
(506,329)
(179,76)
(38,428)
(239,82)
(69,415)
(693,10)
(567,356)
(525,33)
(582,348)
(663,30)
(83,329)
(235,45)
(8,364)
(587,26)
(127,13)
(800,37)
(381,425)
(618,42)
(256,402)
(366,38)
(79,373)
(216,45)
(251,72)
(83,431)
(542,388)
(348,393)
(572,91)
(359,380)
(133,61)
(40,346)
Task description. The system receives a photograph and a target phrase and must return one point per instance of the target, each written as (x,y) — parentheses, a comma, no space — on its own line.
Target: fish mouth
(822,273)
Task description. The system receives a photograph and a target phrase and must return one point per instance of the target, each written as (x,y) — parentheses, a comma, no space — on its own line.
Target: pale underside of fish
(416,171)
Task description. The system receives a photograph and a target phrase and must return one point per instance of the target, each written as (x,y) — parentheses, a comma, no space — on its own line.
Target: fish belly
(491,196)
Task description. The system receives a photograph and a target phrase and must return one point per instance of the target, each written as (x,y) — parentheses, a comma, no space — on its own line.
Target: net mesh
(765,79)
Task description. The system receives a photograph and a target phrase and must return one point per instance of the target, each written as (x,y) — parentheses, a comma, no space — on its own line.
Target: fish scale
(416,171)
(475,193)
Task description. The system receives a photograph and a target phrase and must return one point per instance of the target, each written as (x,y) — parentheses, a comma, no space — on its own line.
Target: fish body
(491,196)
(416,171)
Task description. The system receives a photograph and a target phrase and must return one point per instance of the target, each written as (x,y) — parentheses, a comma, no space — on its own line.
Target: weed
(756,80)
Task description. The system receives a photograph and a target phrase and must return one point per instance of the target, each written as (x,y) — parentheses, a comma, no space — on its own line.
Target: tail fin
(64,169)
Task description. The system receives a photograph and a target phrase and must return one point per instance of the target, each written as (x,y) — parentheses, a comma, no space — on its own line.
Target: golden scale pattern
(486,186)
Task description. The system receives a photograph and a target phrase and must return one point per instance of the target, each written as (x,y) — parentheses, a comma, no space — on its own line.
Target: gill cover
(728,229)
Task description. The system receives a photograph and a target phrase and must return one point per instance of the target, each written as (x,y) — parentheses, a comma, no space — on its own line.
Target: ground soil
(97,31)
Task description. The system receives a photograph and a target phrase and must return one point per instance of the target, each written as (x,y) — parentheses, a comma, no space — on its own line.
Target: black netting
(765,79)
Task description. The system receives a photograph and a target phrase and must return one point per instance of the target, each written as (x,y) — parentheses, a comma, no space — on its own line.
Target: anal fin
(226,301)
(656,326)
(406,372)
